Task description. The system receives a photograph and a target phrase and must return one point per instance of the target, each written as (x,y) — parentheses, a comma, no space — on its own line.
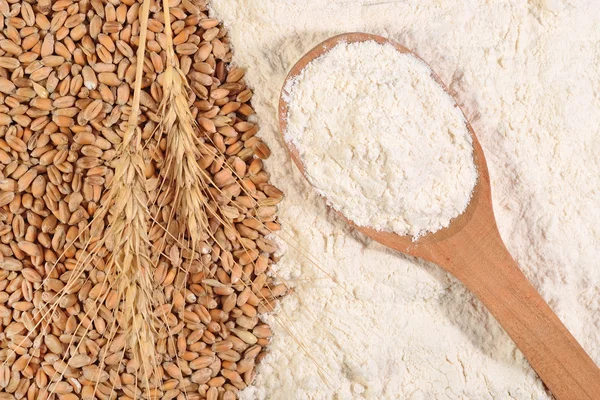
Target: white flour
(527,75)
(380,139)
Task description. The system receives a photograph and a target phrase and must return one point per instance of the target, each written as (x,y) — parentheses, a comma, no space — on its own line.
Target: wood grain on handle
(485,266)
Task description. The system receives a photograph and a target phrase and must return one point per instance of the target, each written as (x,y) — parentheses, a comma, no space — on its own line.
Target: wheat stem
(186,178)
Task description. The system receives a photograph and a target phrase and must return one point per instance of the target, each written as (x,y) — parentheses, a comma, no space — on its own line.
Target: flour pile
(377,325)
(380,139)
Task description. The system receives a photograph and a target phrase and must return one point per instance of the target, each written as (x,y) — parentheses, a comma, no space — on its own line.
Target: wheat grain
(67,97)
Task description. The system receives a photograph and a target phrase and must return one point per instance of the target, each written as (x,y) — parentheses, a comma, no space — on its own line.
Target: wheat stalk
(186,179)
(129,230)
(126,236)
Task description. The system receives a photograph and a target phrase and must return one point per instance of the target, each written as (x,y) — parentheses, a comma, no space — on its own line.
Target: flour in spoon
(380,139)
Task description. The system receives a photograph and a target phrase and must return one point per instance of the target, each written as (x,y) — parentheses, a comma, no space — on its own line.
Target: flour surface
(367,323)
(380,139)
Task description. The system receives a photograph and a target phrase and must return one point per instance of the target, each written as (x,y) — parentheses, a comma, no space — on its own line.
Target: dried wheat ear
(134,207)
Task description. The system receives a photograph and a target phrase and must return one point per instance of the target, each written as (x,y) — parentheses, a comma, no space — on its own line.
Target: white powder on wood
(380,139)
(389,327)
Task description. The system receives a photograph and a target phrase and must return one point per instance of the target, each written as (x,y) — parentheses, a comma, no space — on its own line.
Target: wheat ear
(187,180)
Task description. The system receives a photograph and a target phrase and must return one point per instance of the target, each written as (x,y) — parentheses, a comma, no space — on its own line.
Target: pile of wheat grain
(133,257)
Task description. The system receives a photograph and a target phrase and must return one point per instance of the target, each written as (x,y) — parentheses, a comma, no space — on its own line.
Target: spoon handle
(489,271)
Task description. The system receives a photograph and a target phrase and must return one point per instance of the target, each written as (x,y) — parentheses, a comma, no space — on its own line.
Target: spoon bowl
(404,244)
(472,250)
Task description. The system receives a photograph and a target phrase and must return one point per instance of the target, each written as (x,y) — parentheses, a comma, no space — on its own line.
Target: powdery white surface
(526,74)
(380,139)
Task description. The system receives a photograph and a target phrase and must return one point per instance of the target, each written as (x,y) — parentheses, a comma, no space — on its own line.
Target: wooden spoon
(472,250)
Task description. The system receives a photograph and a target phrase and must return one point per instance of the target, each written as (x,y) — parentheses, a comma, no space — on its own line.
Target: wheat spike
(186,179)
